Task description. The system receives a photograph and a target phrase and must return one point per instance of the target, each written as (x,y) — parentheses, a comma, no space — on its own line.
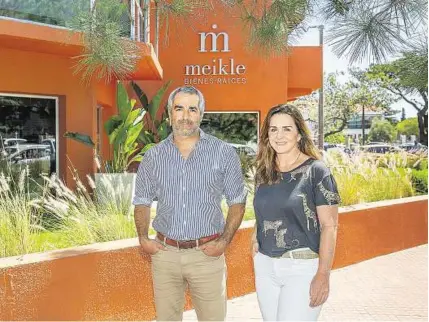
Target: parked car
(380,148)
(336,147)
(11,142)
(51,142)
(241,148)
(30,154)
(417,148)
(328,146)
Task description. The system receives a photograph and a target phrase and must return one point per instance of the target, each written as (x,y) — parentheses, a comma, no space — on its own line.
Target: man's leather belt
(186,244)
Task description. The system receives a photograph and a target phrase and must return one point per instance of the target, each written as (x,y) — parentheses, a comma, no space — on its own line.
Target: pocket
(210,257)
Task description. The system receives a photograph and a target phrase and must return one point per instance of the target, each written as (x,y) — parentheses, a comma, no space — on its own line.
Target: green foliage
(19,219)
(423,164)
(360,179)
(248,166)
(53,12)
(357,29)
(76,219)
(375,30)
(337,138)
(408,127)
(420,180)
(345,100)
(406,78)
(108,54)
(82,138)
(239,128)
(126,131)
(382,131)
(156,120)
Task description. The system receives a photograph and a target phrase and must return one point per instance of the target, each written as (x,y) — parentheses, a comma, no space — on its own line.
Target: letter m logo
(214,37)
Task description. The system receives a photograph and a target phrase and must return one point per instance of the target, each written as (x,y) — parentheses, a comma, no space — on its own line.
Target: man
(188,173)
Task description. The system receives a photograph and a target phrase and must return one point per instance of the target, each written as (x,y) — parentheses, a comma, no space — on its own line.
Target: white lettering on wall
(214,37)
(219,70)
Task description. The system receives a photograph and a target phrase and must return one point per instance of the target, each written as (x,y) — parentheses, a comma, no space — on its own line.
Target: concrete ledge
(112,281)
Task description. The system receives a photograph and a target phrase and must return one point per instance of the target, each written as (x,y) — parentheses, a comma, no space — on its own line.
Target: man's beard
(181,129)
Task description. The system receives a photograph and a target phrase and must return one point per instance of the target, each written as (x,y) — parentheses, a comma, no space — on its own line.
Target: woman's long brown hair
(267,171)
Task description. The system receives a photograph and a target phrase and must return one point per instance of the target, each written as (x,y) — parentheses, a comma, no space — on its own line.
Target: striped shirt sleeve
(234,189)
(145,185)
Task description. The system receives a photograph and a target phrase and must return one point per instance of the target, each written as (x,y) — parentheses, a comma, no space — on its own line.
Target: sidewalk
(387,288)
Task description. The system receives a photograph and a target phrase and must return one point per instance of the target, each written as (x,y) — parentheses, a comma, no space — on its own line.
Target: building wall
(34,73)
(112,281)
(264,82)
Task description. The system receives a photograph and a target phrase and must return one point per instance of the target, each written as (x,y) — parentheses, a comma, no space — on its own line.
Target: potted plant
(131,132)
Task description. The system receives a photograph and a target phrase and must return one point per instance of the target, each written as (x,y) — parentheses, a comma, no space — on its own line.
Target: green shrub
(19,217)
(360,178)
(420,181)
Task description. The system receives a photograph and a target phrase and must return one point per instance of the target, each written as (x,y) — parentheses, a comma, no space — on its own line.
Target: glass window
(28,134)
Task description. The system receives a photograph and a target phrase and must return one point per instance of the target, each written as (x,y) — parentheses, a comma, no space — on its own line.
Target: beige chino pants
(174,270)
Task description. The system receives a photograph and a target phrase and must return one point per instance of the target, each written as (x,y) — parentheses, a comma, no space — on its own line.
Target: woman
(296,220)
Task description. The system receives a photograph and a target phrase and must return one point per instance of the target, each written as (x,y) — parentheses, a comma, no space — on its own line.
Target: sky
(332,63)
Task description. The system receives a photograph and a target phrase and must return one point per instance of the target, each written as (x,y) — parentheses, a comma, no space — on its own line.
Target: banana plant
(123,130)
(157,127)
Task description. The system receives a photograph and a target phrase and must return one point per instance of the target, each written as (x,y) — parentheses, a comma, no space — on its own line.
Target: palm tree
(356,29)
(359,30)
(108,52)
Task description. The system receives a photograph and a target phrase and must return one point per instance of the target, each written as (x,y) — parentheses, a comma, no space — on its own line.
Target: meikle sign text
(218,70)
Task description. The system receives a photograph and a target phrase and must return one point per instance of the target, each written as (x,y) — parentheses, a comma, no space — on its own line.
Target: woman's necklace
(291,165)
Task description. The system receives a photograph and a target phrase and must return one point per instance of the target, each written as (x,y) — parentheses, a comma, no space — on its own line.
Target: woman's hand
(254,247)
(319,289)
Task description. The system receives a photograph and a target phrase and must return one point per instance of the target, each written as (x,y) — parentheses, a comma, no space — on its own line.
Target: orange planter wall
(112,281)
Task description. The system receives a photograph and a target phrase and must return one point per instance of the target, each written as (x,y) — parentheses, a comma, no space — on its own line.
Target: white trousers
(283,288)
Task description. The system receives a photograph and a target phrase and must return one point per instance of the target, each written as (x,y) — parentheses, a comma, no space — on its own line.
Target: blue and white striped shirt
(190,192)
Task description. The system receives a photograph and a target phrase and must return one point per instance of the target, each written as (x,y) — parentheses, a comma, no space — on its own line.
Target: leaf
(132,116)
(141,95)
(112,124)
(136,158)
(118,137)
(156,101)
(146,137)
(82,138)
(147,147)
(163,130)
(123,102)
(133,134)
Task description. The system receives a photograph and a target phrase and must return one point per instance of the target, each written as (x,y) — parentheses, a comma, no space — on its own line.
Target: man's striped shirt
(189,192)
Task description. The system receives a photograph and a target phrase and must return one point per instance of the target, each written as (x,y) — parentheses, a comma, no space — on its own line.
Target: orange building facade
(36,60)
(213,55)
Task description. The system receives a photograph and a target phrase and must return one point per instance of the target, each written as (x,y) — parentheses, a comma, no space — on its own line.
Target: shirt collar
(203,136)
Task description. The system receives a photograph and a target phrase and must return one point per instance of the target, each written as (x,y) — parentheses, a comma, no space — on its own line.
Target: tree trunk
(423,127)
(363,125)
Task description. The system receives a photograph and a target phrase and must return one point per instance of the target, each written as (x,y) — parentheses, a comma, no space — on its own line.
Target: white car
(12,142)
(30,154)
(51,143)
(240,148)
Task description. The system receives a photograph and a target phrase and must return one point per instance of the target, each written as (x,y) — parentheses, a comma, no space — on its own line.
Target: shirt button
(183,205)
(184,223)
